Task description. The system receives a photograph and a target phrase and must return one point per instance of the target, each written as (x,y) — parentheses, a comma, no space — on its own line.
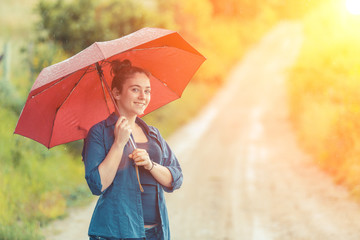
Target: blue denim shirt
(118,212)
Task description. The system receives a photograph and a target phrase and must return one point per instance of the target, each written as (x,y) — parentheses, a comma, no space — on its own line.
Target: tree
(76,25)
(72,25)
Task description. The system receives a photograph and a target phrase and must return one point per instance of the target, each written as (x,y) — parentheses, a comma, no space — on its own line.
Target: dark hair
(122,70)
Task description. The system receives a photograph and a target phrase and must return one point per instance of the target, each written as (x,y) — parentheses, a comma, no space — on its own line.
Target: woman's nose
(142,95)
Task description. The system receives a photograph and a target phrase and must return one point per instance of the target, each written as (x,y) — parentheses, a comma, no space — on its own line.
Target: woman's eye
(148,91)
(135,90)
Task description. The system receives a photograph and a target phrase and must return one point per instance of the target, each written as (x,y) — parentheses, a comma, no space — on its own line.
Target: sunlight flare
(353,6)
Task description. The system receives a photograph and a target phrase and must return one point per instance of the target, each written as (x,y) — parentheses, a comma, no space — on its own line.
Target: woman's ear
(116,93)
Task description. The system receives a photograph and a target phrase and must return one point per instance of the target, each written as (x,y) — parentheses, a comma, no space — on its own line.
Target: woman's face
(135,95)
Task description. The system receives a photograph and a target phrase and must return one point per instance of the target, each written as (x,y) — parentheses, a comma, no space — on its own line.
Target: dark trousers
(153,233)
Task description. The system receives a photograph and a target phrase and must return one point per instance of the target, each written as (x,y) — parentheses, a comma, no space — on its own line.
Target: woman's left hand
(141,158)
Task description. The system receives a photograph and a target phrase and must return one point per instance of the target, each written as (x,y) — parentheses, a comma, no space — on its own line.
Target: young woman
(122,210)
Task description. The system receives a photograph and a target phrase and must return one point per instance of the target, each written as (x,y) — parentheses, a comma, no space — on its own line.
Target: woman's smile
(140,103)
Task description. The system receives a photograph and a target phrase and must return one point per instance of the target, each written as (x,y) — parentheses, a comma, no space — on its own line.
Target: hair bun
(118,66)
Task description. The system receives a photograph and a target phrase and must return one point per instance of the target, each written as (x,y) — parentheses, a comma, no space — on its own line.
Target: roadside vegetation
(38,185)
(324,90)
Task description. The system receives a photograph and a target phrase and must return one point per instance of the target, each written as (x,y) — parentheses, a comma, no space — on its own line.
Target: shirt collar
(111,120)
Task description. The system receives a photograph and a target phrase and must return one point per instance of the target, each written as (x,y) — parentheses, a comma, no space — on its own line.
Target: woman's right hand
(122,131)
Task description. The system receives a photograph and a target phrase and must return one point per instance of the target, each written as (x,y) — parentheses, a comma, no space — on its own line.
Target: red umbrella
(69,97)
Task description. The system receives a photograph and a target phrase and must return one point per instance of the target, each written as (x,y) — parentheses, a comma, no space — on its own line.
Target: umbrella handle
(132,143)
(138,178)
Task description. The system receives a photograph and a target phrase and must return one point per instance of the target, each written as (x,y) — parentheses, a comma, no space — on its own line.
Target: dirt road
(244,175)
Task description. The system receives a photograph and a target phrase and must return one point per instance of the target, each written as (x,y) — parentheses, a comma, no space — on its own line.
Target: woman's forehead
(139,79)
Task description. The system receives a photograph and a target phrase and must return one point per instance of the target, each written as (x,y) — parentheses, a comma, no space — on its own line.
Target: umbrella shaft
(132,143)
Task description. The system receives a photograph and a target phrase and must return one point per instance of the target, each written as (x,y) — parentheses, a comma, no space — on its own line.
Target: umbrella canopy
(69,97)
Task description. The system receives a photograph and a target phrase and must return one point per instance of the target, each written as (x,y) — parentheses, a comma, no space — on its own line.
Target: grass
(35,183)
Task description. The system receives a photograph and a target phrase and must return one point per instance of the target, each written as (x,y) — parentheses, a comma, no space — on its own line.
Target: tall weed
(34,182)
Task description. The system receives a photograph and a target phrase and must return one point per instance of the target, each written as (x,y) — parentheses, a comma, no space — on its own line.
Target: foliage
(9,97)
(325,92)
(25,231)
(70,24)
(34,182)
(75,25)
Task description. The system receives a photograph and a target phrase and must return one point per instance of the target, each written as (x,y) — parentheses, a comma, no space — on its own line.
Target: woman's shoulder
(98,128)
(154,129)
(110,120)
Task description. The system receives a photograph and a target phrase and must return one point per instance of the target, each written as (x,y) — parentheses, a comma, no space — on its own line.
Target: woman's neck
(131,121)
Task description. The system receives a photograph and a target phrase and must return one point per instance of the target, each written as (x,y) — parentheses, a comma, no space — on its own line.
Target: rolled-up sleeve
(171,162)
(93,154)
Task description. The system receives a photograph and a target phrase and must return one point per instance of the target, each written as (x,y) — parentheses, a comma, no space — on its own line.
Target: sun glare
(353,6)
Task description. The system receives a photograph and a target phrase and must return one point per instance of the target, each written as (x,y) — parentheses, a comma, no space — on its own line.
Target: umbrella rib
(67,97)
(106,102)
(164,83)
(72,90)
(56,83)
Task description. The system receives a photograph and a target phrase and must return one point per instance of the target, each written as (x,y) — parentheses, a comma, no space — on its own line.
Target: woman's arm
(109,167)
(159,172)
